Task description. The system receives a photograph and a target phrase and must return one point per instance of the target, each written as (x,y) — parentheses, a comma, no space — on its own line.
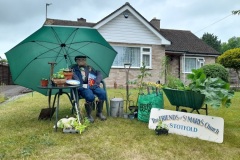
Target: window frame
(142,53)
(197,60)
(146,53)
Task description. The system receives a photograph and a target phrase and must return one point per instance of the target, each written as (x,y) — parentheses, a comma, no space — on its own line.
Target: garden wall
(5,75)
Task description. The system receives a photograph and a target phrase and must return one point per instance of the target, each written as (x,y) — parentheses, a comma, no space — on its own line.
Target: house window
(190,63)
(134,55)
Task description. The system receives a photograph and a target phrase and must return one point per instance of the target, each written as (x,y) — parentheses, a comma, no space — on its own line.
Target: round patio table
(73,98)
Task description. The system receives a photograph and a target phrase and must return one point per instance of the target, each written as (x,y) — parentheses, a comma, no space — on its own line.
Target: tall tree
(212,41)
(232,43)
(236,12)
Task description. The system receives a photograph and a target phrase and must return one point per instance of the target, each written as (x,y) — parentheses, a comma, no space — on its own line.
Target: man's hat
(79,57)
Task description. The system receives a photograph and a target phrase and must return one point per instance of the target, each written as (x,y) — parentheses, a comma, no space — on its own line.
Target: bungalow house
(137,40)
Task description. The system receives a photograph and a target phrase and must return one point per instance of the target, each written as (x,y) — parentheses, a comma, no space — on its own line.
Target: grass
(23,136)
(2,97)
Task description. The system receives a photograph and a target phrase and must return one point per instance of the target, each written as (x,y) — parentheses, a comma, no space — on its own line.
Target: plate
(73,82)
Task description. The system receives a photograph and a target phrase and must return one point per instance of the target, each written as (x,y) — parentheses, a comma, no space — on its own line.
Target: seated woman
(90,78)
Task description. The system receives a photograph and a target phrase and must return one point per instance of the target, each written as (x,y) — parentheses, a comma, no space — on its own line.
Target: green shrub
(230,59)
(216,70)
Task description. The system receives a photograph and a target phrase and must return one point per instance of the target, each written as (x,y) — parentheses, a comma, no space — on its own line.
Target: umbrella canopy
(60,44)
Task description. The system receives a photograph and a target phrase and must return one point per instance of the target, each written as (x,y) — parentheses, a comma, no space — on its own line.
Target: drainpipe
(184,74)
(2,69)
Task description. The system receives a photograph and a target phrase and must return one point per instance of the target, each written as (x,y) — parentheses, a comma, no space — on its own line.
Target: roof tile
(186,41)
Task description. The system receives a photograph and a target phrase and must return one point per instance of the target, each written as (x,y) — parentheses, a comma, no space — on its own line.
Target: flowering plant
(161,125)
(152,84)
(73,123)
(161,128)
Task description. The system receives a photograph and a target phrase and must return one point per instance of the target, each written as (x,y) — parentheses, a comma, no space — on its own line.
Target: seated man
(82,72)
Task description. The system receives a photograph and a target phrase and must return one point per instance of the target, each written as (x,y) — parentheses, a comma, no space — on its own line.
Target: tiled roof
(186,41)
(68,23)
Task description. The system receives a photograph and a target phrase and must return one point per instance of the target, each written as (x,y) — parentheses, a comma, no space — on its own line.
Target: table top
(59,87)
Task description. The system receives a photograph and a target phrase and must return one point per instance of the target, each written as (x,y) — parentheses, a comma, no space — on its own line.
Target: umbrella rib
(56,36)
(52,43)
(59,40)
(37,56)
(98,66)
(77,50)
(49,49)
(74,34)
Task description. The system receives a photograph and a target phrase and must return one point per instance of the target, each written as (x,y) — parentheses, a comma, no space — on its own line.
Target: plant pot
(125,115)
(161,131)
(131,116)
(134,110)
(44,83)
(68,74)
(70,130)
(59,82)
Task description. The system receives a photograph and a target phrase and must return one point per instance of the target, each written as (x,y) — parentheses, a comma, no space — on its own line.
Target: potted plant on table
(68,73)
(44,82)
(59,78)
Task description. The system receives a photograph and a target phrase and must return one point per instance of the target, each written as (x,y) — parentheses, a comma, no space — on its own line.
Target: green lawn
(23,136)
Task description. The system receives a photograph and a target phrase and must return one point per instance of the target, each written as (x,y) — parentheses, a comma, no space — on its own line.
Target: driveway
(10,91)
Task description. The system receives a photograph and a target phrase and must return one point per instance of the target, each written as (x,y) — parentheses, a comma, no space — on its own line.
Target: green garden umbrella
(29,59)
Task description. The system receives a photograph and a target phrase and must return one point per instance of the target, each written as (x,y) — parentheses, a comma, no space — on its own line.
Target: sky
(20,18)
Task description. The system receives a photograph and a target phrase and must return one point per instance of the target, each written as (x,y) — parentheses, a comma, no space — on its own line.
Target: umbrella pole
(65,56)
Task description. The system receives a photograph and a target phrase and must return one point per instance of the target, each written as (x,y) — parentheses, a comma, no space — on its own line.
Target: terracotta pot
(44,83)
(68,74)
(59,82)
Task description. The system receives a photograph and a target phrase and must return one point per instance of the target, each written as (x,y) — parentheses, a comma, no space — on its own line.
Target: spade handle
(51,68)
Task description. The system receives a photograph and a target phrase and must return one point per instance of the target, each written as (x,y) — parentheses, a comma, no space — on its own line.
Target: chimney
(81,20)
(156,23)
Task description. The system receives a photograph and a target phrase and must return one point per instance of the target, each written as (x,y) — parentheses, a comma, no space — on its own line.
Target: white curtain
(190,63)
(146,60)
(127,55)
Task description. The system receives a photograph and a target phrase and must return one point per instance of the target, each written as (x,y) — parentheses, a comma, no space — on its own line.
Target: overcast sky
(20,18)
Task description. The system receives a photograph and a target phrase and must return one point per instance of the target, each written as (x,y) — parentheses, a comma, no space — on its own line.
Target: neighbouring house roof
(79,22)
(186,41)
